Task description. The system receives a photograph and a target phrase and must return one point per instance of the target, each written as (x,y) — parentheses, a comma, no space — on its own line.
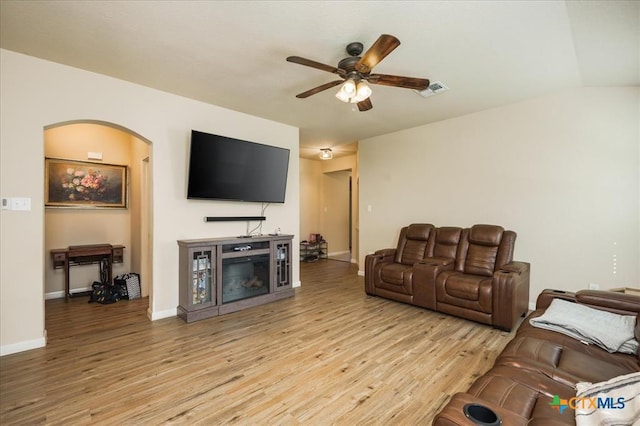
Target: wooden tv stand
(223,275)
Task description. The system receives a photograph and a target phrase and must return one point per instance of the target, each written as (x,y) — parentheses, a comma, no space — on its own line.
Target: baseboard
(360,273)
(296,284)
(532,305)
(157,315)
(54,295)
(60,294)
(23,346)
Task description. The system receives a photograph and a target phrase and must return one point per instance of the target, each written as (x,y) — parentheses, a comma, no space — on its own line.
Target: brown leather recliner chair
(389,272)
(485,285)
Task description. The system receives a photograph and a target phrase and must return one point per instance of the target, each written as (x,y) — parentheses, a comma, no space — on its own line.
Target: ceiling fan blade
(365,105)
(384,45)
(312,64)
(318,89)
(399,81)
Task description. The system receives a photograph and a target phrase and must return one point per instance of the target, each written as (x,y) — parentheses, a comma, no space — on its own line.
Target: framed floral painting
(71,183)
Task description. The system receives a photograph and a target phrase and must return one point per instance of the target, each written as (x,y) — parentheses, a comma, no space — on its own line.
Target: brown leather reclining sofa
(539,365)
(469,273)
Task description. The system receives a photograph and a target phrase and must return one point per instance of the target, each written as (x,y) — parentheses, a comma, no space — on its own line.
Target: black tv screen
(224,168)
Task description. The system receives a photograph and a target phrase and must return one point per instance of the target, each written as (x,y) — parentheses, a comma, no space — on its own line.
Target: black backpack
(102,292)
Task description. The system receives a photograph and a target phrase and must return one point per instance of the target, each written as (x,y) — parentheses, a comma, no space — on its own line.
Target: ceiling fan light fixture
(350,92)
(363,91)
(326,154)
(347,91)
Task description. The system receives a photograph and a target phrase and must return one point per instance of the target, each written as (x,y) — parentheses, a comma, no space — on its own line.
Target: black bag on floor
(103,293)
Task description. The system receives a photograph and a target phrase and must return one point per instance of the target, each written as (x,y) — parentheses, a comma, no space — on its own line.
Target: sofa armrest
(386,253)
(370,263)
(610,300)
(453,413)
(546,297)
(515,267)
(510,294)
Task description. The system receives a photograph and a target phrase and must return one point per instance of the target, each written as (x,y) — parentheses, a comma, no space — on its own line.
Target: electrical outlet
(594,286)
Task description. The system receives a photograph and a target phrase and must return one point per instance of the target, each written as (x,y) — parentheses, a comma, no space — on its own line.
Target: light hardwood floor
(329,355)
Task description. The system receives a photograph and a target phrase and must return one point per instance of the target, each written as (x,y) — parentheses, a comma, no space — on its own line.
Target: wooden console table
(85,255)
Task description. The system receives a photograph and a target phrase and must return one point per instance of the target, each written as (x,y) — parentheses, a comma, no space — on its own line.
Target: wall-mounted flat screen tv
(223,168)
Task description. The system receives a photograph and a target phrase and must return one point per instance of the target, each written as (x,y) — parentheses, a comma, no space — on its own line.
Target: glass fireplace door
(245,277)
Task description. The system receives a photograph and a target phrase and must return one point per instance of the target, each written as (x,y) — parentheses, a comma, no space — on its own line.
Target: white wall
(37,93)
(562,171)
(310,191)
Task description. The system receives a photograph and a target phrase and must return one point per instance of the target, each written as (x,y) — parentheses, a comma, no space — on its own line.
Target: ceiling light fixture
(326,154)
(353,92)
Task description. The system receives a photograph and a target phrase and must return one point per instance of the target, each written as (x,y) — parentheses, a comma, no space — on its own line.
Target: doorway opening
(338,214)
(97,144)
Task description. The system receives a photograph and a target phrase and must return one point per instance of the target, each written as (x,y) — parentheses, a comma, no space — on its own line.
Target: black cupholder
(481,415)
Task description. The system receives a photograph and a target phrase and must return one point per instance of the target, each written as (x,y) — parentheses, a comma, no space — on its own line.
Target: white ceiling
(232,53)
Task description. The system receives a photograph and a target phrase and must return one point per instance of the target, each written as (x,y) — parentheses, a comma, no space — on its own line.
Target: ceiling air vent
(433,89)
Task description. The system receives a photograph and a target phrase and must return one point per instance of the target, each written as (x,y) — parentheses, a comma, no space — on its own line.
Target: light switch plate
(21,203)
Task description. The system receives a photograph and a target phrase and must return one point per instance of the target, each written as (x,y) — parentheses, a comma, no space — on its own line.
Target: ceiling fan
(355,72)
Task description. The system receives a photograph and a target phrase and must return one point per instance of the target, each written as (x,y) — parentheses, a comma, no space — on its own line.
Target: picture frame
(84,184)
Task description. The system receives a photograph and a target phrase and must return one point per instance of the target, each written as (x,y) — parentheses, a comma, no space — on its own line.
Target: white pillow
(614,402)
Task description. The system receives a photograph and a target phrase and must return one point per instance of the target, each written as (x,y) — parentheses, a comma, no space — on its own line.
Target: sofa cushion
(396,277)
(612,332)
(447,240)
(481,260)
(466,291)
(596,353)
(527,393)
(486,235)
(563,364)
(413,243)
(484,242)
(419,231)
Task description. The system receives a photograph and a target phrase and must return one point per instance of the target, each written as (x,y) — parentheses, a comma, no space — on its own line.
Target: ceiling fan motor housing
(355,48)
(348,64)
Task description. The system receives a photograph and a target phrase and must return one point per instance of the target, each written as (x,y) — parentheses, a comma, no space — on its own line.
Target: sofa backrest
(414,243)
(447,240)
(484,249)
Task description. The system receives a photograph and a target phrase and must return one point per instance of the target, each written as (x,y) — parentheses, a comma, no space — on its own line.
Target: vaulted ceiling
(232,53)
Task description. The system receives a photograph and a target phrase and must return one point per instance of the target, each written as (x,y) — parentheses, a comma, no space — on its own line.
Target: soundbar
(232,218)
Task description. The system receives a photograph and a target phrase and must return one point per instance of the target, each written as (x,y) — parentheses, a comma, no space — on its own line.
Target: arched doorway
(97,142)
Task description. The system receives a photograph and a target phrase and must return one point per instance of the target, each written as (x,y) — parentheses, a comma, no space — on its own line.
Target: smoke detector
(433,89)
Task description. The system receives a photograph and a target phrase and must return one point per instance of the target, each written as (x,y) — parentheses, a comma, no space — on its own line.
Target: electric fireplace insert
(244,277)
